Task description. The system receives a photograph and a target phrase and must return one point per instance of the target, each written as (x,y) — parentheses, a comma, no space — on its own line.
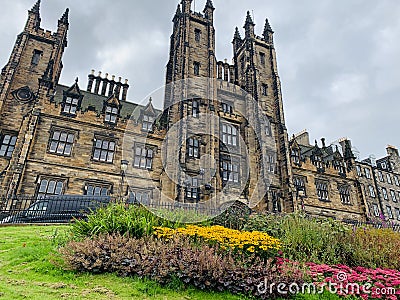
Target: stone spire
(268,32)
(36,8)
(249,26)
(209,5)
(64,18)
(237,34)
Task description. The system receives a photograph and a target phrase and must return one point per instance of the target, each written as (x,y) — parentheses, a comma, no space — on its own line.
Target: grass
(26,272)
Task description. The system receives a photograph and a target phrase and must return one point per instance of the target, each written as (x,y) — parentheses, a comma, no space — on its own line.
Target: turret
(249,26)
(33,22)
(268,33)
(186,5)
(209,11)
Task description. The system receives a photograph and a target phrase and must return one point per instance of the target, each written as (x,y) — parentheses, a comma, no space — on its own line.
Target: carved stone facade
(57,139)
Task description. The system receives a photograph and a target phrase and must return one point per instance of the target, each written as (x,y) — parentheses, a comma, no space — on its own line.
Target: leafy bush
(304,238)
(167,261)
(234,217)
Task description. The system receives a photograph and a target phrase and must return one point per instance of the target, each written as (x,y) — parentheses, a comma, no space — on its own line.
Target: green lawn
(26,272)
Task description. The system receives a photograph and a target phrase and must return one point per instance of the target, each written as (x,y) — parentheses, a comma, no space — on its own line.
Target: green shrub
(304,238)
(375,248)
(132,220)
(234,217)
(166,261)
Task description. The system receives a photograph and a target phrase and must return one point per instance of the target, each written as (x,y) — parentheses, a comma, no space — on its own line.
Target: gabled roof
(96,102)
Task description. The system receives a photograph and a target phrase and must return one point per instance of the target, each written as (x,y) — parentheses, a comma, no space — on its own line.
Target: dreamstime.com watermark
(341,287)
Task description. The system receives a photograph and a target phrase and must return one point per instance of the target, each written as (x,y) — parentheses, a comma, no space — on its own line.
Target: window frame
(192,191)
(227,108)
(229,135)
(59,141)
(145,159)
(193,147)
(196,68)
(299,183)
(97,185)
(41,194)
(197,35)
(230,171)
(345,194)
(36,56)
(13,139)
(322,188)
(195,108)
(367,173)
(262,58)
(393,195)
(110,112)
(372,191)
(385,193)
(375,209)
(147,122)
(389,178)
(264,89)
(100,149)
(389,212)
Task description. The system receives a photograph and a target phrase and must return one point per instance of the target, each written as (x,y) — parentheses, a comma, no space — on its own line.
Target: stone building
(58,139)
(325,179)
(221,135)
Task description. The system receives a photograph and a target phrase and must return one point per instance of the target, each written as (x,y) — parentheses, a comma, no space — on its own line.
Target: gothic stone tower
(216,88)
(34,68)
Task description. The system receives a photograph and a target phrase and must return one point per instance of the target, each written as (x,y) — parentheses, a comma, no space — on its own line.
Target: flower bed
(229,239)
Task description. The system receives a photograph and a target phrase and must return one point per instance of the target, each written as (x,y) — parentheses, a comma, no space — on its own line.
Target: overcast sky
(339,61)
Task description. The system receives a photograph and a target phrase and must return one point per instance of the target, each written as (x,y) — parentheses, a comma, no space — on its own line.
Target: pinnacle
(178,10)
(36,7)
(209,4)
(267,26)
(64,18)
(237,34)
(249,20)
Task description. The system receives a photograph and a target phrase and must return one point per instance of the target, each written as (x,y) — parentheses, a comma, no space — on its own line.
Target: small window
(344,192)
(147,123)
(385,194)
(197,35)
(139,196)
(7,147)
(229,135)
(143,157)
(193,148)
(70,105)
(48,186)
(376,210)
(271,163)
(193,190)
(96,189)
(227,108)
(393,194)
(196,66)
(383,165)
(358,169)
(389,178)
(103,150)
(262,58)
(389,212)
(264,90)
(317,161)
(322,190)
(380,175)
(397,214)
(268,129)
(37,54)
(371,191)
(300,184)
(396,180)
(340,166)
(230,172)
(111,115)
(61,142)
(367,173)
(195,108)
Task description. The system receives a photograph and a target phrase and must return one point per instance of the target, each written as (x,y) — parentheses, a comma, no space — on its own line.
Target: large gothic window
(103,150)
(50,186)
(61,142)
(322,190)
